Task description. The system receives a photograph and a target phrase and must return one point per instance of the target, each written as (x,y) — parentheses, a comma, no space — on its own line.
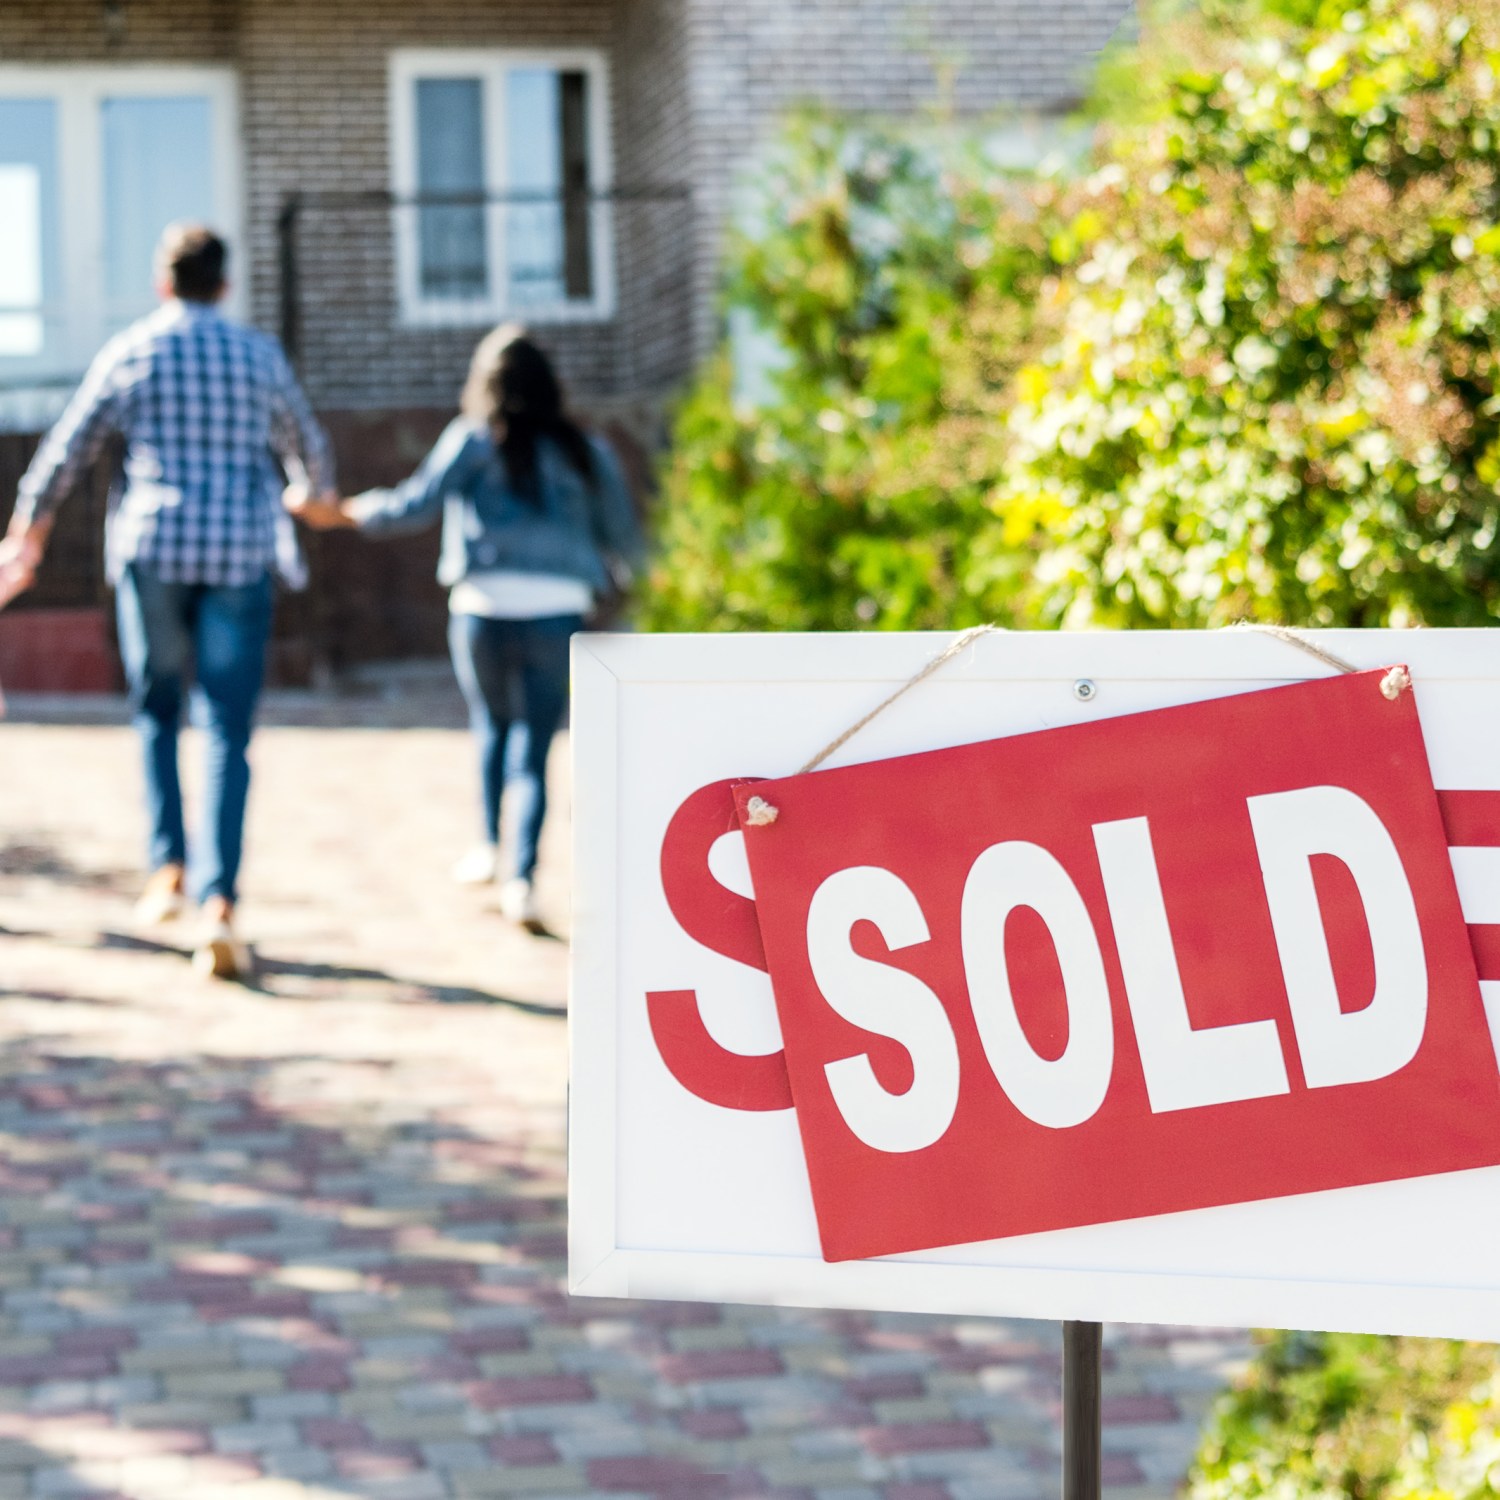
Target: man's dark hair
(192,259)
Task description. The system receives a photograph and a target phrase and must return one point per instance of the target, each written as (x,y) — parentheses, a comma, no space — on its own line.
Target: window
(28,191)
(94,163)
(500,169)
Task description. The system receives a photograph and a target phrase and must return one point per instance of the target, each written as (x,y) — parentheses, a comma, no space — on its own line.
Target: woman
(537,524)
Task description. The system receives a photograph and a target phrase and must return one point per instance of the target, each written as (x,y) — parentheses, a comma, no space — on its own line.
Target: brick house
(396,176)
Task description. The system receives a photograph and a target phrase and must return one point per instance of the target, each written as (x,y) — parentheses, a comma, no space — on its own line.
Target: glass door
(28,247)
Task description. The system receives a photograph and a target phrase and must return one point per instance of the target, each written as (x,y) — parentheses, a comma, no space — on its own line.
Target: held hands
(327,512)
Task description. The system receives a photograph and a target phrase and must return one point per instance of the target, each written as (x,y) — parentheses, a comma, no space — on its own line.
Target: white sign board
(673,1196)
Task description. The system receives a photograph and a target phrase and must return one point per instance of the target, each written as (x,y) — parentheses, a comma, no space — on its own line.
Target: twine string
(943,657)
(1392,685)
(759,813)
(1293,638)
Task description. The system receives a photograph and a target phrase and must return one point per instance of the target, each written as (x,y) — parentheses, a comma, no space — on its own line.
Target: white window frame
(407,68)
(78,94)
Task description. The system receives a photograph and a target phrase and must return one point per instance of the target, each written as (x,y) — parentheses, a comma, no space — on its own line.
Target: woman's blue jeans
(514,676)
(218,635)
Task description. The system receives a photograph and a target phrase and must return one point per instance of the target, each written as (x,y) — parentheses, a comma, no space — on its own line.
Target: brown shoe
(162,900)
(219,953)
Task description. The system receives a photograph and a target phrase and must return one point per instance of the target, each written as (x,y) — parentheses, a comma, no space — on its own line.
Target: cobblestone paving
(303,1239)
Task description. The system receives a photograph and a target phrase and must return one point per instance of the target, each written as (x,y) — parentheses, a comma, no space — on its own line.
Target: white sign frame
(1450,1290)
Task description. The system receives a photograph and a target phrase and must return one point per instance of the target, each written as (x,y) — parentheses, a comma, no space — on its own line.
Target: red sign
(1197,956)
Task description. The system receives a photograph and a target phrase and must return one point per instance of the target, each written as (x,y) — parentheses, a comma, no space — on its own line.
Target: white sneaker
(518,904)
(220,954)
(162,900)
(479,866)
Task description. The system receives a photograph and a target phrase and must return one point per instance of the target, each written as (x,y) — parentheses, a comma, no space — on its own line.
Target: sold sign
(1197,956)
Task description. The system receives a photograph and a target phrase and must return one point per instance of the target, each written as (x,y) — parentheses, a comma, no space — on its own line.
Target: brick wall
(315,111)
(654,151)
(752,60)
(75,574)
(139,31)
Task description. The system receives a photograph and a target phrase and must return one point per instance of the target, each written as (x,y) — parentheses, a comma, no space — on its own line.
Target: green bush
(1271,393)
(897,283)
(1246,369)
(1356,1417)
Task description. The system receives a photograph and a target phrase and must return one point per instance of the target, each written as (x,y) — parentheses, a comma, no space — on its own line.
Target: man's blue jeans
(218,635)
(514,676)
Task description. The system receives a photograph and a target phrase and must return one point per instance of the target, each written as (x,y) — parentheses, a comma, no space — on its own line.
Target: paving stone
(301,1239)
(536,1479)
(713,1424)
(211,1383)
(61,1481)
(527,1362)
(424,1486)
(457,1453)
(821,1473)
(524,1449)
(604,1441)
(175,1359)
(291,1404)
(254,1437)
(405,1426)
(922,1436)
(383,1399)
(827,1443)
(298,1463)
(953,1465)
(921,1409)
(180,1413)
(1159,1468)
(518,1390)
(1116,1411)
(1013,1485)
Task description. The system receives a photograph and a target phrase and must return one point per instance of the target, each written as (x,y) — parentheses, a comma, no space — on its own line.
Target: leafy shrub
(898,286)
(1272,390)
(1245,369)
(1356,1417)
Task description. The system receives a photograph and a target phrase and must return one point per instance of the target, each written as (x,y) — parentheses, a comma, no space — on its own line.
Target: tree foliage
(1356,1417)
(1245,367)
(853,494)
(1272,390)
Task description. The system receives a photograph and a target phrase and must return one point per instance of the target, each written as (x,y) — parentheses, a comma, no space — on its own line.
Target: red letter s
(724,923)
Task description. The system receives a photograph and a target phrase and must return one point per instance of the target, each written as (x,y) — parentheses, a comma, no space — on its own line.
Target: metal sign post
(1081,1415)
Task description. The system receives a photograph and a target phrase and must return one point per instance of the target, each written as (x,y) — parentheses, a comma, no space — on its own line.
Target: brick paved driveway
(304,1240)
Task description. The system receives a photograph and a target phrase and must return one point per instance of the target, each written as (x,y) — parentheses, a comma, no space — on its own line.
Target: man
(205,408)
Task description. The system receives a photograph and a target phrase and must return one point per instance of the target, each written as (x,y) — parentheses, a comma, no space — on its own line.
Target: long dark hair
(513,389)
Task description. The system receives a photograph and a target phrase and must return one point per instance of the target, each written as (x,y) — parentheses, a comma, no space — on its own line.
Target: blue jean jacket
(578,531)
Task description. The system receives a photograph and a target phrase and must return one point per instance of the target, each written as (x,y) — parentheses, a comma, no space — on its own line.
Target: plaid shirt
(205,407)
